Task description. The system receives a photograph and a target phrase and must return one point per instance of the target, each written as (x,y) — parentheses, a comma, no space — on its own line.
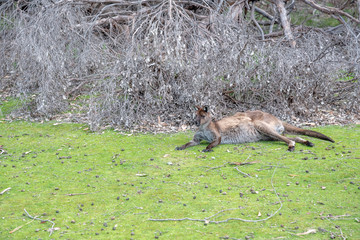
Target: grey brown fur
(243,127)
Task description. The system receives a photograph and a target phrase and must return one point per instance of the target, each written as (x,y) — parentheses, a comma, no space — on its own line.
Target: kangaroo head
(203,115)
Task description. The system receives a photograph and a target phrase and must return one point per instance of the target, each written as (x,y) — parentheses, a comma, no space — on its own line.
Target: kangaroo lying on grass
(243,127)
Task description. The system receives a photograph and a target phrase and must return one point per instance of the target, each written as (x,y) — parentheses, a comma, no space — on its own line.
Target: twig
(36,218)
(245,174)
(310,231)
(207,220)
(255,22)
(330,10)
(341,234)
(5,190)
(243,163)
(17,228)
(270,167)
(75,194)
(216,167)
(285,21)
(335,217)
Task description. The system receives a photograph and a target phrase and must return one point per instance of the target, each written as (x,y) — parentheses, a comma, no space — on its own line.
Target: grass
(8,105)
(119,182)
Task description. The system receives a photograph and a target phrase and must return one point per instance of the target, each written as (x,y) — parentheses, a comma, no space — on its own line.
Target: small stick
(17,228)
(245,174)
(336,217)
(215,167)
(242,163)
(36,218)
(75,194)
(5,190)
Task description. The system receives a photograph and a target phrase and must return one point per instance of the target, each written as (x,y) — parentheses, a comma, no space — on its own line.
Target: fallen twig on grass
(216,167)
(243,163)
(5,190)
(75,194)
(307,232)
(207,220)
(17,228)
(245,174)
(36,218)
(335,217)
(269,167)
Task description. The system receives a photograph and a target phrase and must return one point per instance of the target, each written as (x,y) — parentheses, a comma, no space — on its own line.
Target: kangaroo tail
(290,129)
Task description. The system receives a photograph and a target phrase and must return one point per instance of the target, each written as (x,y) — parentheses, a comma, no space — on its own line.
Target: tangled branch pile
(131,62)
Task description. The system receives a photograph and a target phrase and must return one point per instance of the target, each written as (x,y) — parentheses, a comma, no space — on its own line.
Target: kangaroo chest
(205,134)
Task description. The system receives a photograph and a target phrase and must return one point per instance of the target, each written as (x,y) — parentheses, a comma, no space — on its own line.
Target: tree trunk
(285,21)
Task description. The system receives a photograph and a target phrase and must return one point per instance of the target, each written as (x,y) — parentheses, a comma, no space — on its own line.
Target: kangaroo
(244,127)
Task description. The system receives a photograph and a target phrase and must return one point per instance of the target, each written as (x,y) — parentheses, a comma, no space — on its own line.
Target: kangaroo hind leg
(302,141)
(268,131)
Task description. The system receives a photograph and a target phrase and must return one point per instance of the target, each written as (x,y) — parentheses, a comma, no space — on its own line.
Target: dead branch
(325,51)
(76,194)
(141,50)
(284,21)
(243,163)
(264,13)
(254,20)
(330,10)
(36,218)
(310,231)
(245,174)
(19,227)
(216,167)
(5,190)
(335,217)
(236,11)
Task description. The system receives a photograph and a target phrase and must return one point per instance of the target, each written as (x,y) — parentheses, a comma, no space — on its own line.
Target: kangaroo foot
(207,150)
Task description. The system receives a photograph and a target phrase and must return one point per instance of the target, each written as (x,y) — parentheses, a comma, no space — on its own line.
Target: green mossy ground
(119,182)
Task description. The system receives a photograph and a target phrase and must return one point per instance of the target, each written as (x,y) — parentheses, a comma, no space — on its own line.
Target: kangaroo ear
(206,108)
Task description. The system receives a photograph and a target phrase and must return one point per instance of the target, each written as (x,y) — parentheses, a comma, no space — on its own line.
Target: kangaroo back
(290,129)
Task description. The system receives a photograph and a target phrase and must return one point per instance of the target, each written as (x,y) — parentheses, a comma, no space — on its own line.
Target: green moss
(8,105)
(119,182)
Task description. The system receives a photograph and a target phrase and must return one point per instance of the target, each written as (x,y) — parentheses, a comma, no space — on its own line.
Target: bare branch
(5,190)
(285,22)
(254,20)
(46,220)
(330,10)
(245,174)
